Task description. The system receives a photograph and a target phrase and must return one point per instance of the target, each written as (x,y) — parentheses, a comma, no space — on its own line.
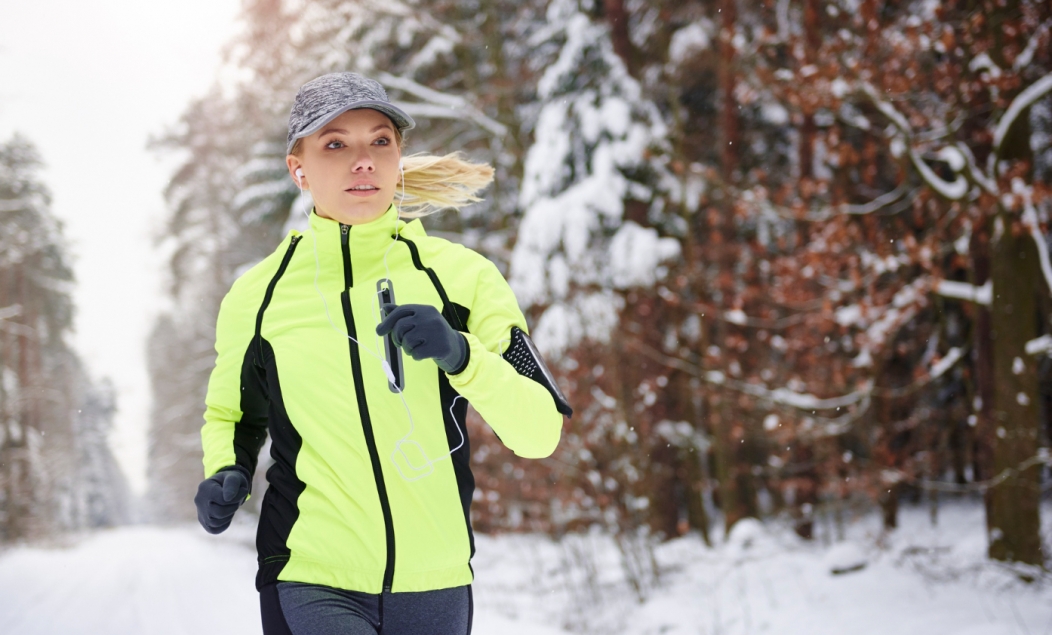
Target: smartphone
(385,295)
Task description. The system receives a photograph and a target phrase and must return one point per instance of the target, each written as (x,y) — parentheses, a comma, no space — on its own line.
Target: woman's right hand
(219,497)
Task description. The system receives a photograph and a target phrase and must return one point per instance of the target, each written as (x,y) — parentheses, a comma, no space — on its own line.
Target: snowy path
(920,581)
(151,581)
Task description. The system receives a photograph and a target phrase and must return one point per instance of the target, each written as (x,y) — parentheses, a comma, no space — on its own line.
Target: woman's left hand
(422,332)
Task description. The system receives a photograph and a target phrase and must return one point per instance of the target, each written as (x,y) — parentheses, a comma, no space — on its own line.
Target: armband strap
(526,360)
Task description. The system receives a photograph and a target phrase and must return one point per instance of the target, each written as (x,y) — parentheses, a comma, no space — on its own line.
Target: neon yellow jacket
(348,506)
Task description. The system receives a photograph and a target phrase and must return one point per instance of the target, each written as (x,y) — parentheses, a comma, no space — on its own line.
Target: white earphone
(299,177)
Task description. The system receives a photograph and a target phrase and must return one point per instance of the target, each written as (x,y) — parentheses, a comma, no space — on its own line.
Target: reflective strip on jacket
(344,507)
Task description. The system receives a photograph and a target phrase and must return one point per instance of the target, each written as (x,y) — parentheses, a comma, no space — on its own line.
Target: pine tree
(56,469)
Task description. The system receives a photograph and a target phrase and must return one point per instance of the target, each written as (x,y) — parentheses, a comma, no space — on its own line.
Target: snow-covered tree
(54,461)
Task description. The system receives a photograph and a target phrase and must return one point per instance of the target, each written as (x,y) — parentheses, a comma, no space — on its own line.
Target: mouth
(364,189)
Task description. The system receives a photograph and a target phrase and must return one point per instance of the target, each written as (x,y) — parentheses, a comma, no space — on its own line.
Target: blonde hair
(432,183)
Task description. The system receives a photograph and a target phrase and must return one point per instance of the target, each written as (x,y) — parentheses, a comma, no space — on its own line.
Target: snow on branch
(14,328)
(952,190)
(782,396)
(878,203)
(861,398)
(12,205)
(887,109)
(939,368)
(901,194)
(740,318)
(440,104)
(1031,223)
(974,172)
(1041,458)
(1023,100)
(963,291)
(1039,345)
(1027,56)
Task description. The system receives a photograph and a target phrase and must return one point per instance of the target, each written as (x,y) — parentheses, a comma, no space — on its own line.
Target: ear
(296,172)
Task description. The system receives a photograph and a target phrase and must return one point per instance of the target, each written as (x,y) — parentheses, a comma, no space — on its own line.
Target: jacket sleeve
(236,405)
(521,411)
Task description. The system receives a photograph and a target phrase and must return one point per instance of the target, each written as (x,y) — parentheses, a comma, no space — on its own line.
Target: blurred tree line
(789,258)
(56,468)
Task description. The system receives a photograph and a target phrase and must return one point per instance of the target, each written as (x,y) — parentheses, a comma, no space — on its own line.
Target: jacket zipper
(363,407)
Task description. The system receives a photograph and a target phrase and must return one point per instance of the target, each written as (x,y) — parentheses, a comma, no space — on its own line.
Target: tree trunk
(617,16)
(1013,504)
(727,77)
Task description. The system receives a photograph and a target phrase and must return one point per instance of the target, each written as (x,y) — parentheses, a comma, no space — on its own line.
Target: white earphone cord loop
(429,463)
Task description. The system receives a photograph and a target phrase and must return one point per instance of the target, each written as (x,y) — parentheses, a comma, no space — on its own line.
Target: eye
(384,141)
(335,144)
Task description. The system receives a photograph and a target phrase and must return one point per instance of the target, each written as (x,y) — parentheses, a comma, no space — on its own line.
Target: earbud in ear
(299,177)
(401,165)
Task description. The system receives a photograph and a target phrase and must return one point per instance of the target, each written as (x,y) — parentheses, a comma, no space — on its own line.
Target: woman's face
(350,166)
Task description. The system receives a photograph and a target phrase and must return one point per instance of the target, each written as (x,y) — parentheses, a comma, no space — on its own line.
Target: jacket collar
(375,234)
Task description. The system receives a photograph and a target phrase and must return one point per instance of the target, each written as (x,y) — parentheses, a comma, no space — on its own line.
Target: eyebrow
(342,131)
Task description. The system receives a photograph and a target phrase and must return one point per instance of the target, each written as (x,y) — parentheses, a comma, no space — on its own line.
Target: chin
(360,215)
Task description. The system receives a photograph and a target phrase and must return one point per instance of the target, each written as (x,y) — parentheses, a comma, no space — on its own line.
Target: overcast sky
(89,82)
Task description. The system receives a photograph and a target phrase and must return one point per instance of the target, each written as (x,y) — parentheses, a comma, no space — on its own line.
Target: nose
(363,163)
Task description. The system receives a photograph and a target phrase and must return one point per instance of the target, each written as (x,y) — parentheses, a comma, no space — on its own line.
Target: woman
(357,345)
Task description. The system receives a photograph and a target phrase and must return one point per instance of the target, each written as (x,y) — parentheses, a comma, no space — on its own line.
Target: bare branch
(1041,458)
(1027,55)
(1031,223)
(441,105)
(782,396)
(952,190)
(1023,100)
(974,173)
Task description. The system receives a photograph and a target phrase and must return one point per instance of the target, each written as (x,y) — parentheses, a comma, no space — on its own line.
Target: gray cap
(325,98)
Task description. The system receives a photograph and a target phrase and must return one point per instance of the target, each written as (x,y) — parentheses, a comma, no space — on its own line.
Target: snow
(951,190)
(953,157)
(131,580)
(982,62)
(964,291)
(592,316)
(774,113)
(635,253)
(589,132)
(1031,223)
(921,579)
(1024,100)
(953,356)
(1041,344)
(690,40)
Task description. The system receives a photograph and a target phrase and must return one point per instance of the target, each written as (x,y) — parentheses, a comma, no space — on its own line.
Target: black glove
(219,497)
(423,333)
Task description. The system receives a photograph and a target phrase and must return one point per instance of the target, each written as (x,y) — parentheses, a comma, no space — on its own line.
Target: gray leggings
(291,608)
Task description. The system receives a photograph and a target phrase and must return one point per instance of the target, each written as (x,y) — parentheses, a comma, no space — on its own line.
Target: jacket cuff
(466,348)
(472,360)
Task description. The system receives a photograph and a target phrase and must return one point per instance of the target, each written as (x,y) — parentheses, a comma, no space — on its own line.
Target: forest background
(788,259)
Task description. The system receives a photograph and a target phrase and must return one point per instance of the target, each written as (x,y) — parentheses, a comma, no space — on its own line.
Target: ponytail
(433,183)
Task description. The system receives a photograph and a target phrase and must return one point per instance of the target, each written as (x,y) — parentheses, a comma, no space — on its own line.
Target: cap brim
(401,120)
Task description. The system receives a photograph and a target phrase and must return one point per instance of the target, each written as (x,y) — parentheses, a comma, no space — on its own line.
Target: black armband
(526,360)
